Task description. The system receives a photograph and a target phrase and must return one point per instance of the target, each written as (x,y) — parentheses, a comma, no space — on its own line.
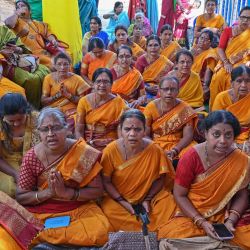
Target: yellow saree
(210,194)
(167,129)
(171,50)
(240,109)
(132,179)
(237,52)
(13,148)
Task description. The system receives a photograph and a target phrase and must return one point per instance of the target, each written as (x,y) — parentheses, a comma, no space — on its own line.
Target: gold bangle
(235,212)
(36,195)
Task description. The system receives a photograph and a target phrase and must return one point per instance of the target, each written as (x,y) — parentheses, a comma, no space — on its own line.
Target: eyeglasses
(124,56)
(172,90)
(53,129)
(245,18)
(102,81)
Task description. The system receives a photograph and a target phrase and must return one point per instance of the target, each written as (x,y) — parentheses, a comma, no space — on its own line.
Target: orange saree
(78,167)
(237,52)
(74,84)
(133,179)
(90,63)
(191,91)
(7,86)
(210,193)
(100,122)
(240,109)
(127,86)
(18,227)
(31,34)
(171,50)
(156,70)
(215,22)
(167,129)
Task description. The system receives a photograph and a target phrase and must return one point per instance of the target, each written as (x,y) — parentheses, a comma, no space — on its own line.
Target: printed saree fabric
(167,129)
(18,226)
(210,194)
(133,179)
(237,52)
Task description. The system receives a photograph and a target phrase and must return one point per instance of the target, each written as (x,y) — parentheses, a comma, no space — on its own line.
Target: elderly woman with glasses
(170,121)
(63,89)
(17,135)
(98,113)
(97,57)
(60,179)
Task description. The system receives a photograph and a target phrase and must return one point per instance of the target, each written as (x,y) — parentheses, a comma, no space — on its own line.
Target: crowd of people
(156,121)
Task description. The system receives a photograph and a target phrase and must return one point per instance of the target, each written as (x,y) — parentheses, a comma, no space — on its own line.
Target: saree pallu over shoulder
(237,49)
(154,164)
(213,189)
(127,83)
(79,170)
(173,120)
(20,224)
(157,69)
(136,50)
(191,91)
(170,51)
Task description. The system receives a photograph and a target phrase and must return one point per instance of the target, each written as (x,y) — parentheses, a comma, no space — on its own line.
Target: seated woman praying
(135,171)
(61,177)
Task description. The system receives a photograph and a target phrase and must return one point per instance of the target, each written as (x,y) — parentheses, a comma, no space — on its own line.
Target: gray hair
(51,112)
(139,14)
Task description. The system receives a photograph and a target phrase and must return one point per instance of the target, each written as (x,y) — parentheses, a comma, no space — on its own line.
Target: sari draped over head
(32,34)
(156,70)
(74,84)
(171,50)
(18,226)
(127,85)
(240,109)
(101,122)
(191,91)
(122,19)
(237,52)
(90,62)
(31,81)
(12,150)
(206,59)
(167,129)
(79,165)
(210,194)
(133,179)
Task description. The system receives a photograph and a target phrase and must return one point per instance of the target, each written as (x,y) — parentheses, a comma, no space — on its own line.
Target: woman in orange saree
(97,57)
(170,121)
(153,66)
(128,82)
(135,172)
(61,177)
(18,226)
(205,60)
(63,89)
(207,192)
(169,48)
(31,32)
(233,51)
(98,113)
(237,101)
(191,90)
(122,38)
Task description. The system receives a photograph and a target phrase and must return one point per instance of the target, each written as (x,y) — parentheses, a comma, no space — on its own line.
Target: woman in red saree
(61,177)
(98,113)
(207,192)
